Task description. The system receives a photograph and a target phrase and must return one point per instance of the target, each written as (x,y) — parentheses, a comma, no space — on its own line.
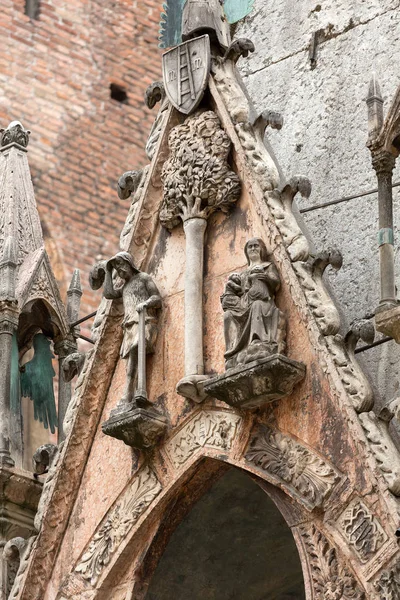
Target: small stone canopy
(320,452)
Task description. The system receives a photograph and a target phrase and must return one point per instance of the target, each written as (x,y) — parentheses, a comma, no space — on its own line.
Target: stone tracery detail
(361,530)
(293,466)
(207,429)
(119,521)
(331,579)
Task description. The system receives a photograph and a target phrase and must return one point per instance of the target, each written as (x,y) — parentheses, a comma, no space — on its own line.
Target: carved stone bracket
(361,530)
(331,579)
(213,430)
(140,428)
(256,383)
(134,501)
(292,466)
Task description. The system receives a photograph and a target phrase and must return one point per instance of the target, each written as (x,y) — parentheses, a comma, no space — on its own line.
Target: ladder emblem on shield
(185,70)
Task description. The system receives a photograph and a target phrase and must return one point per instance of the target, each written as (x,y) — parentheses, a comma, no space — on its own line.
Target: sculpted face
(254,250)
(123,268)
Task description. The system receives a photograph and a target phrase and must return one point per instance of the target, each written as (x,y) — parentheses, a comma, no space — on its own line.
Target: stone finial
(375,108)
(15,133)
(75,285)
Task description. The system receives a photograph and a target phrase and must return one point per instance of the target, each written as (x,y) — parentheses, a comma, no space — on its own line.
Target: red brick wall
(55,74)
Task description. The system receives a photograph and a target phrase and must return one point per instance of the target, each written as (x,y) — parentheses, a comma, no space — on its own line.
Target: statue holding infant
(254,326)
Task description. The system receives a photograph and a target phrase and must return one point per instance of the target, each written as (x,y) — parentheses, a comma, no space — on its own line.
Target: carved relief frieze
(388,584)
(144,488)
(361,530)
(292,466)
(331,578)
(207,429)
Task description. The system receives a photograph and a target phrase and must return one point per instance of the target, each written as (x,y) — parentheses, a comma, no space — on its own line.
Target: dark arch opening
(233,545)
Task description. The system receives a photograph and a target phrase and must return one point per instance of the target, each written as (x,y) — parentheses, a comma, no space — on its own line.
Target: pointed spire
(8,266)
(375,108)
(74,294)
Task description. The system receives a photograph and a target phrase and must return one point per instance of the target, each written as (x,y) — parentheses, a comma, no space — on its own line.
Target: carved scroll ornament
(119,521)
(305,474)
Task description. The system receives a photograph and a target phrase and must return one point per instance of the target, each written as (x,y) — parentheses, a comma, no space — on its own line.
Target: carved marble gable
(211,186)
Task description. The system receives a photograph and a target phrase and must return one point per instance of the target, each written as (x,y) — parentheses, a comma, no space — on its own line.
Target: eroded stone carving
(43,458)
(139,293)
(310,274)
(361,530)
(144,488)
(134,420)
(207,429)
(331,579)
(197,181)
(25,549)
(197,178)
(352,376)
(253,325)
(293,466)
(255,332)
(388,584)
(15,133)
(128,183)
(383,448)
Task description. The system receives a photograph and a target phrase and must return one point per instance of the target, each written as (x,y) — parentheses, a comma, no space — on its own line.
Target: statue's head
(255,250)
(124,265)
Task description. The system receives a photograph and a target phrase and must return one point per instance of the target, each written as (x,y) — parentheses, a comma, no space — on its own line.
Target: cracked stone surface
(325,132)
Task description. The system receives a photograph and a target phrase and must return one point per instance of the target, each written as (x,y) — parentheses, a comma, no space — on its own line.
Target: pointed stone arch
(132,535)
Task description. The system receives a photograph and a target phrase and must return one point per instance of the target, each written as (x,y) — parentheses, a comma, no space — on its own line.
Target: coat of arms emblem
(185,70)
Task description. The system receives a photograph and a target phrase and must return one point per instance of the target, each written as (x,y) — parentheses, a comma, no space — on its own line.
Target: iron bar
(83,337)
(344,199)
(75,323)
(373,345)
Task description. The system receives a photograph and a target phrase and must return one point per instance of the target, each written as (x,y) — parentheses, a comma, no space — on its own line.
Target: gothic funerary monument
(221,440)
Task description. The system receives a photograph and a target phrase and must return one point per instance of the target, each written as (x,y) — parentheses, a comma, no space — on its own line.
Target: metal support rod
(373,345)
(83,337)
(83,319)
(141,391)
(344,199)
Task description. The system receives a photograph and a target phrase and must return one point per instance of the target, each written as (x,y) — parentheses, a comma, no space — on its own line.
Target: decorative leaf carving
(197,178)
(388,584)
(120,519)
(330,578)
(208,429)
(310,478)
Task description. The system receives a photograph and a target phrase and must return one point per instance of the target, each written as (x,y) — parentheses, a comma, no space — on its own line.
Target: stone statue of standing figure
(253,325)
(139,293)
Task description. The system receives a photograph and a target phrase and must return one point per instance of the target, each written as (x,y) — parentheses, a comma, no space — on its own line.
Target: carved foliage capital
(14,134)
(196,177)
(383,162)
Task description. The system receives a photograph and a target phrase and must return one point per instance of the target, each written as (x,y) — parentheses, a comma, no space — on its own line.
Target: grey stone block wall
(325,132)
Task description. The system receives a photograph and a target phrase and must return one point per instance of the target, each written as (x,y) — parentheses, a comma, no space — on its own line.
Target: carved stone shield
(185,70)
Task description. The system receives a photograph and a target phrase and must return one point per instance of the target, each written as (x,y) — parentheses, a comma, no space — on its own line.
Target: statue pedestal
(256,383)
(138,427)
